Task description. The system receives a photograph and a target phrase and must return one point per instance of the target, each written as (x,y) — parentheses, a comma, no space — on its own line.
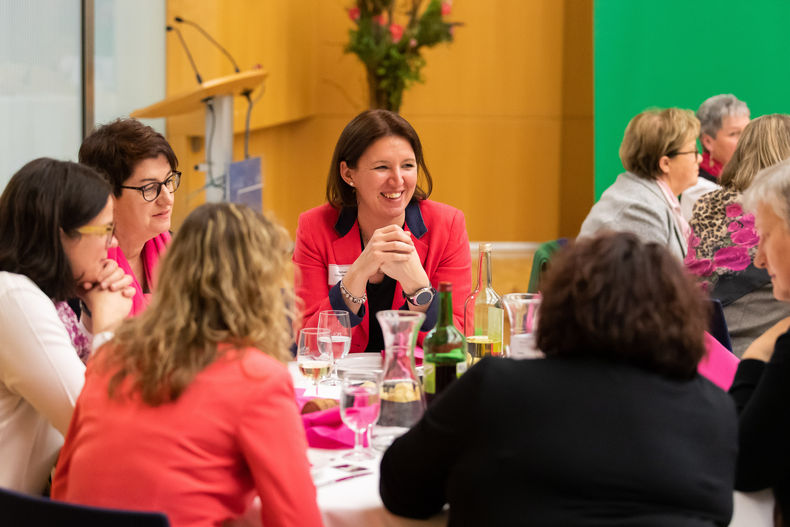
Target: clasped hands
(389,251)
(109,299)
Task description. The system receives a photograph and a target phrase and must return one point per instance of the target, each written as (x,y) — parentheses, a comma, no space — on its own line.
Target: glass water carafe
(402,398)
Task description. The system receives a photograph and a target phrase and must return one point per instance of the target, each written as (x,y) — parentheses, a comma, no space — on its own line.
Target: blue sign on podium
(246,183)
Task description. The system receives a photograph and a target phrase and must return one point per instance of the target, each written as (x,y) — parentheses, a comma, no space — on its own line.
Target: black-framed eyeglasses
(696,153)
(151,191)
(107,230)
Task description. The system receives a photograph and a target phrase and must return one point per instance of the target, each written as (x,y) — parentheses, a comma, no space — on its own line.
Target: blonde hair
(764,142)
(653,134)
(226,278)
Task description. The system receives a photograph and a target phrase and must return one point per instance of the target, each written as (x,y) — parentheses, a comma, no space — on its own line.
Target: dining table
(348,491)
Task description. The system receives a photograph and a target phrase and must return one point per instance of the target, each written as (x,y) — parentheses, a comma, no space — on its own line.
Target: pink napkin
(719,364)
(324,429)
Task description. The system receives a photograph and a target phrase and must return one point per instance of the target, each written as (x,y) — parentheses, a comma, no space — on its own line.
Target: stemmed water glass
(313,355)
(339,325)
(359,408)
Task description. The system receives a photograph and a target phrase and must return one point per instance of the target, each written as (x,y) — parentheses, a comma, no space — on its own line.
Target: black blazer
(565,442)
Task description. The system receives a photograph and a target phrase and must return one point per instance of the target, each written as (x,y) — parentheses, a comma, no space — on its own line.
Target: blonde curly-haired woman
(190,410)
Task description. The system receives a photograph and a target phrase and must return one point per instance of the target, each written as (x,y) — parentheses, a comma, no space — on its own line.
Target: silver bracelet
(354,299)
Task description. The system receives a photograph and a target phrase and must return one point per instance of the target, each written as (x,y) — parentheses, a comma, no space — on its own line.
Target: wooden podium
(216,95)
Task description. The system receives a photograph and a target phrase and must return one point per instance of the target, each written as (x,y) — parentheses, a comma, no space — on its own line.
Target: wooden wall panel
(504,133)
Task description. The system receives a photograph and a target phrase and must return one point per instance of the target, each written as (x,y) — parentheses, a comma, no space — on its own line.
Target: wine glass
(339,325)
(313,355)
(359,408)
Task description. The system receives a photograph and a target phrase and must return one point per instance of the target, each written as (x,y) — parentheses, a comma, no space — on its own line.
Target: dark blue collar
(414,221)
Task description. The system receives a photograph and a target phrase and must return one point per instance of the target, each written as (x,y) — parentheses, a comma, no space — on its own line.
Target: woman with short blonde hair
(653,134)
(192,402)
(659,153)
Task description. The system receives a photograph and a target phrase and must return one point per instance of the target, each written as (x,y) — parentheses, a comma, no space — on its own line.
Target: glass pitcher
(522,311)
(402,398)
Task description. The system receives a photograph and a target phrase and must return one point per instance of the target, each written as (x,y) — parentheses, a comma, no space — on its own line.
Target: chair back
(718,324)
(22,510)
(540,262)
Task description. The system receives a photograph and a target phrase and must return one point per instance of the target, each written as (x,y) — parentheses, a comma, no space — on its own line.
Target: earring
(351,183)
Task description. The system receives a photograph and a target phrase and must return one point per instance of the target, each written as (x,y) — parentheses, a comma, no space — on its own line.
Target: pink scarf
(152,251)
(674,204)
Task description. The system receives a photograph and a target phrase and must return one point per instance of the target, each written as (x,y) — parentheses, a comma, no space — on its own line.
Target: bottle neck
(445,317)
(484,278)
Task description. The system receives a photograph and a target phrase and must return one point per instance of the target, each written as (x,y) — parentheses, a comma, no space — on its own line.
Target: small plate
(368,362)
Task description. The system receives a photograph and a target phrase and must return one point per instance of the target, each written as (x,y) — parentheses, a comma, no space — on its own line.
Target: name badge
(336,273)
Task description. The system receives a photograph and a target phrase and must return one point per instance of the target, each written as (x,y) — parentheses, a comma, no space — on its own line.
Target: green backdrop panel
(665,53)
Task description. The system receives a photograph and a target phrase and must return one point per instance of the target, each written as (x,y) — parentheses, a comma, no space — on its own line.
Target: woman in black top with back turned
(613,428)
(761,388)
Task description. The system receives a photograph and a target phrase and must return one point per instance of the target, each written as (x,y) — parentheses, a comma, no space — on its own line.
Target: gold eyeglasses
(107,230)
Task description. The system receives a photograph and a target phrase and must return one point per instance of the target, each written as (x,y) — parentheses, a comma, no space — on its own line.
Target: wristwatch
(421,297)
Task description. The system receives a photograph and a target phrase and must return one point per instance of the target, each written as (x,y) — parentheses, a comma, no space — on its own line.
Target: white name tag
(336,273)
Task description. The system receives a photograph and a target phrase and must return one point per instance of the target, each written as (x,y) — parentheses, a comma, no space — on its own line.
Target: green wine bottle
(444,348)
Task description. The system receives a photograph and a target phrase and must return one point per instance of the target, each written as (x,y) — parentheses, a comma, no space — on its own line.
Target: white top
(692,194)
(40,379)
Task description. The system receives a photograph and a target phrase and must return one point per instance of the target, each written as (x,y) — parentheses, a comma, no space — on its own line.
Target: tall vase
(380,97)
(402,397)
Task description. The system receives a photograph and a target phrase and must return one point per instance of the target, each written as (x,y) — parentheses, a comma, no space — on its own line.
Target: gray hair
(771,187)
(715,109)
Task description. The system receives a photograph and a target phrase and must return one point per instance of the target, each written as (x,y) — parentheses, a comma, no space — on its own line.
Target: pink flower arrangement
(396,32)
(387,36)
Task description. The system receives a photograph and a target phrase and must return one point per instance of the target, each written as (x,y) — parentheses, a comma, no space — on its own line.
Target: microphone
(186,49)
(209,37)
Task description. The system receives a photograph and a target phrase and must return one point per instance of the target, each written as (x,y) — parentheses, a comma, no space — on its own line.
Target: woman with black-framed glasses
(141,167)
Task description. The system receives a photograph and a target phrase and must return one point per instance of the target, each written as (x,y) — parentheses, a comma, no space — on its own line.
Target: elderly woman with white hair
(722,118)
(761,388)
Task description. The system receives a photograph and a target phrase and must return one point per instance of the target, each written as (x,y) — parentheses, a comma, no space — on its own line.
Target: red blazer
(328,239)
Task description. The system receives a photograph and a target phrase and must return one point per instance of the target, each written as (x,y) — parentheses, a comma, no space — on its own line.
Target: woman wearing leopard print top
(723,241)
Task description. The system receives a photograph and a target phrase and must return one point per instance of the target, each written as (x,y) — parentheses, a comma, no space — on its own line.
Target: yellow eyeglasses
(99,230)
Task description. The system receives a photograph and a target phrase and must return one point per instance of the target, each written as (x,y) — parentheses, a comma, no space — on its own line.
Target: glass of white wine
(339,325)
(314,355)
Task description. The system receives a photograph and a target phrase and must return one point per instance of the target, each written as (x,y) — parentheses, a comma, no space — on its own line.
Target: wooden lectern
(217,94)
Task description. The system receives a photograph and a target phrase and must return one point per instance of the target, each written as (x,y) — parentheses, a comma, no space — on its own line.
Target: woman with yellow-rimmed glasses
(56,223)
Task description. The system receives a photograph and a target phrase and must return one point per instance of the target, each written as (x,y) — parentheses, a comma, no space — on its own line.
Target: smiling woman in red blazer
(379,243)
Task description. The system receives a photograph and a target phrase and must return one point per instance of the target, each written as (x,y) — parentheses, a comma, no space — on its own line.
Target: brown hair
(364,130)
(614,297)
(764,142)
(117,147)
(226,278)
(653,134)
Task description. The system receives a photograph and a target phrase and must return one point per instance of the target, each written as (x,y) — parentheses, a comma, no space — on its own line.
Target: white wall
(41,79)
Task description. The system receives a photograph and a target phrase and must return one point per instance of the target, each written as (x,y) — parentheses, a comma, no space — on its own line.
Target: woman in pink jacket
(141,167)
(379,243)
